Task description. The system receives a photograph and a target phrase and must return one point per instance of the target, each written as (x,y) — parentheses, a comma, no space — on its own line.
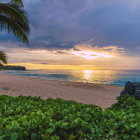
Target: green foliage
(19,2)
(3,57)
(31,118)
(13,18)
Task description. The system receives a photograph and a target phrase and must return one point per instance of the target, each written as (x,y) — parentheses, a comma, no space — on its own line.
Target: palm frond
(13,19)
(18,2)
(14,27)
(15,12)
(3,57)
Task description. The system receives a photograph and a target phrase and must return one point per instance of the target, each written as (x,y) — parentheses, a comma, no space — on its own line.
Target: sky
(78,34)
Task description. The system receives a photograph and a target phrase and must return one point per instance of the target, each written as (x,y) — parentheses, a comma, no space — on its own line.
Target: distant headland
(11,67)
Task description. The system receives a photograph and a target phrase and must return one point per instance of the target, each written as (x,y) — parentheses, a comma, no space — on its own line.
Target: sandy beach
(101,95)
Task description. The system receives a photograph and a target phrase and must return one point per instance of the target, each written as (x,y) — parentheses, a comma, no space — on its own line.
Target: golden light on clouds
(81,56)
(91,54)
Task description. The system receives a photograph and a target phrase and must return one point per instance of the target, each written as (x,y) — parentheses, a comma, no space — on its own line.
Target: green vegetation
(3,57)
(19,2)
(14,19)
(53,119)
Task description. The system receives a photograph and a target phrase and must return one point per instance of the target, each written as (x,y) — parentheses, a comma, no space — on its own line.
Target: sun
(90,54)
(87,74)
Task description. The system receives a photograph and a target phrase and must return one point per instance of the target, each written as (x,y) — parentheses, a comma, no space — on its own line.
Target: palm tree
(19,2)
(13,19)
(3,57)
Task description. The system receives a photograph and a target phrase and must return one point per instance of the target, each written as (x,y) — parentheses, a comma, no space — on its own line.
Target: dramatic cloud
(65,23)
(81,56)
(61,31)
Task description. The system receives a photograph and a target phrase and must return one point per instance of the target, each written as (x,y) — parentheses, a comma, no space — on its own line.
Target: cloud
(64,23)
(61,30)
(108,57)
(111,49)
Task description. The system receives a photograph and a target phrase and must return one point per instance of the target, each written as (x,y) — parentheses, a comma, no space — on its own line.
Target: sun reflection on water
(87,74)
(91,76)
(95,76)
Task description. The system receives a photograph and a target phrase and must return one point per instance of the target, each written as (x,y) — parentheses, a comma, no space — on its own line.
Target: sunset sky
(78,34)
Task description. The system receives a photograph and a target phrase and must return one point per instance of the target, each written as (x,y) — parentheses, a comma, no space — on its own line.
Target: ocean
(109,77)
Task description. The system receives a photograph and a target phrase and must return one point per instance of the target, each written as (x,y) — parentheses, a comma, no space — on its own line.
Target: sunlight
(90,54)
(87,74)
(32,66)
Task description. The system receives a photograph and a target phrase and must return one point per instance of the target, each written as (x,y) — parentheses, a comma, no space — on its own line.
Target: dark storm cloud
(64,23)
(54,23)
(115,25)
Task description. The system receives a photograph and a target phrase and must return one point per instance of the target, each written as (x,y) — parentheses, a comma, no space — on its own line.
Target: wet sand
(101,95)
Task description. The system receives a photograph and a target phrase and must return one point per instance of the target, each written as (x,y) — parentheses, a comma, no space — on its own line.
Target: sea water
(111,77)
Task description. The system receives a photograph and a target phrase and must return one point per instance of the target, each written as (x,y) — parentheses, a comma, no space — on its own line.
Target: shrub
(26,117)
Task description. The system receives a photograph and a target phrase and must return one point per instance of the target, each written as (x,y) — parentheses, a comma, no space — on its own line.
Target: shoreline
(87,93)
(36,72)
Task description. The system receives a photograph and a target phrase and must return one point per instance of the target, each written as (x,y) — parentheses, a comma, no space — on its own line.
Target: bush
(26,117)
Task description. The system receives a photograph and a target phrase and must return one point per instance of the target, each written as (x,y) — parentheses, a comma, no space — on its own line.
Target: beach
(87,93)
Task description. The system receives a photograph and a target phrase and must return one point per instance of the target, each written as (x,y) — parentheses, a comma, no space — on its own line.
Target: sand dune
(101,95)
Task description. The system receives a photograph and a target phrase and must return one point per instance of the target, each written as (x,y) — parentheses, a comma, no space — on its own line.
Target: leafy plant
(13,18)
(3,57)
(31,118)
